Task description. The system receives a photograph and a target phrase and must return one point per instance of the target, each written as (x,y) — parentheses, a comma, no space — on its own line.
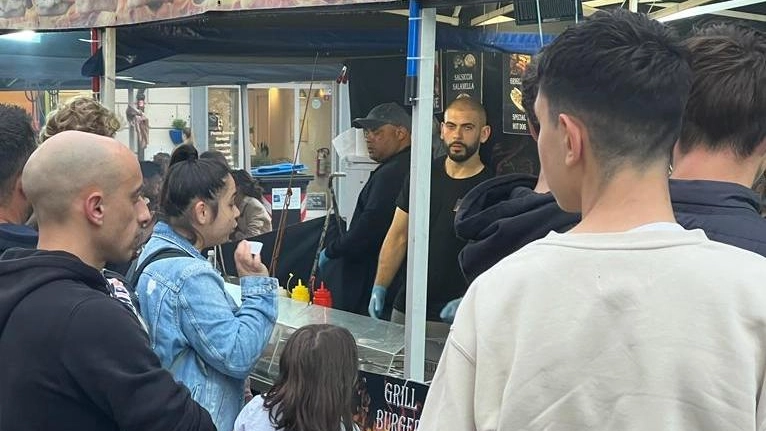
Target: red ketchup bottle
(322,296)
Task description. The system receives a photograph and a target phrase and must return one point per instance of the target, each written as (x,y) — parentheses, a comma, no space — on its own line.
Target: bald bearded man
(72,357)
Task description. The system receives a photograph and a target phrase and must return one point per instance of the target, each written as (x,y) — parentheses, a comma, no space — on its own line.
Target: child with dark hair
(254,218)
(199,333)
(316,387)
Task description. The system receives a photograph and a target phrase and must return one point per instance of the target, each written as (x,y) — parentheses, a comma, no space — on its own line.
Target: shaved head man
(86,192)
(86,357)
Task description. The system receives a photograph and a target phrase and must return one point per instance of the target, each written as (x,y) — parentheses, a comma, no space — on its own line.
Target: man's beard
(468,152)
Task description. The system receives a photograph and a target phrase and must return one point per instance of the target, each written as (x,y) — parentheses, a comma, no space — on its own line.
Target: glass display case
(380,343)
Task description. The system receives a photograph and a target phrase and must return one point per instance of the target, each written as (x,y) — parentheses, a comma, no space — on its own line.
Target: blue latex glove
(448,312)
(323,259)
(377,301)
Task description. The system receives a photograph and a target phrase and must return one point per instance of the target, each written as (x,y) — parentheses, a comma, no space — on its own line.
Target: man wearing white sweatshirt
(628,321)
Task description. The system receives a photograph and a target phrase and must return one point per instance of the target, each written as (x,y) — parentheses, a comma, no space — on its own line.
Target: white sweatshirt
(628,331)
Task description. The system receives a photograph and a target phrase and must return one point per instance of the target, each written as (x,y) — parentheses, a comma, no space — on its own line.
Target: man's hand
(247,263)
(448,312)
(377,301)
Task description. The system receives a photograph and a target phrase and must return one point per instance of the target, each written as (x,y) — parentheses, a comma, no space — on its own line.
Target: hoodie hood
(502,215)
(23,271)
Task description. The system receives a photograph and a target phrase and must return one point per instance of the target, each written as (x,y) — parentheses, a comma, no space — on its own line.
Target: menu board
(514,116)
(463,73)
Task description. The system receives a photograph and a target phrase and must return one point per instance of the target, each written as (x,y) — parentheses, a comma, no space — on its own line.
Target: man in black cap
(387,133)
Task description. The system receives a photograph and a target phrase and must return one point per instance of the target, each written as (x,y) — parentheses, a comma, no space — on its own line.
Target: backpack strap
(136,270)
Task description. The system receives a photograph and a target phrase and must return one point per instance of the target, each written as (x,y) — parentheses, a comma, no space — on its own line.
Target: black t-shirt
(445,280)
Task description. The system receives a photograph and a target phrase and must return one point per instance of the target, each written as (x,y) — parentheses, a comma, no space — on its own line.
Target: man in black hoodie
(507,212)
(17,142)
(72,357)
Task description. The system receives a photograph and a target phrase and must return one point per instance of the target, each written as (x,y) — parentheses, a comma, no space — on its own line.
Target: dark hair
(471,104)
(627,78)
(150,169)
(215,155)
(246,184)
(17,143)
(189,178)
(317,381)
(529,87)
(727,104)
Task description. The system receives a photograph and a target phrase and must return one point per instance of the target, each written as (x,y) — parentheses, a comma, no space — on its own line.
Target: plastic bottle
(301,292)
(323,296)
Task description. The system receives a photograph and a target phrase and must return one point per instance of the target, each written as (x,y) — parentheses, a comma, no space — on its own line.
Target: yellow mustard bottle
(301,292)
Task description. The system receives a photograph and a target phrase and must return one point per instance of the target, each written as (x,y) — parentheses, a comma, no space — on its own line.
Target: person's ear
(93,207)
(200,212)
(484,133)
(575,134)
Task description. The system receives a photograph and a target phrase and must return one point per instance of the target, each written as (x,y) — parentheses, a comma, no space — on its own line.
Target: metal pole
(199,109)
(420,197)
(109,49)
(540,23)
(245,110)
(633,5)
(95,82)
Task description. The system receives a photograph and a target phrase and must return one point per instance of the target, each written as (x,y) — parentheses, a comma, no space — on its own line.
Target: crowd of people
(619,289)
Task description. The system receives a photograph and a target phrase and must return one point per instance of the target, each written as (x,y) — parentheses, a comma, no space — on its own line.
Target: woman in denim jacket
(196,329)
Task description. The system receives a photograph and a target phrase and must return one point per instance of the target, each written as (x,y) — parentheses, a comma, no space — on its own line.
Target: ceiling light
(28,36)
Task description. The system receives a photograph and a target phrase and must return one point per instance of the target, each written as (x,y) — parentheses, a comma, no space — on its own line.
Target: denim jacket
(200,335)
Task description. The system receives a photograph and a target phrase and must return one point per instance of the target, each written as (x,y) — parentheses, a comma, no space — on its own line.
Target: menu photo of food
(516,98)
(518,63)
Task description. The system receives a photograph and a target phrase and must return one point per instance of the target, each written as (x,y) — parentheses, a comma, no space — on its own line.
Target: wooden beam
(489,15)
(726,13)
(600,3)
(742,15)
(688,4)
(456,11)
(589,10)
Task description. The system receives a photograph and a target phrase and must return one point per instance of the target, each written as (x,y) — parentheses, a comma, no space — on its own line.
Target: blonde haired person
(83,114)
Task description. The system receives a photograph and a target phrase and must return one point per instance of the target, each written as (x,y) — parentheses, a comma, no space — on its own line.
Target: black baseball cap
(386,113)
